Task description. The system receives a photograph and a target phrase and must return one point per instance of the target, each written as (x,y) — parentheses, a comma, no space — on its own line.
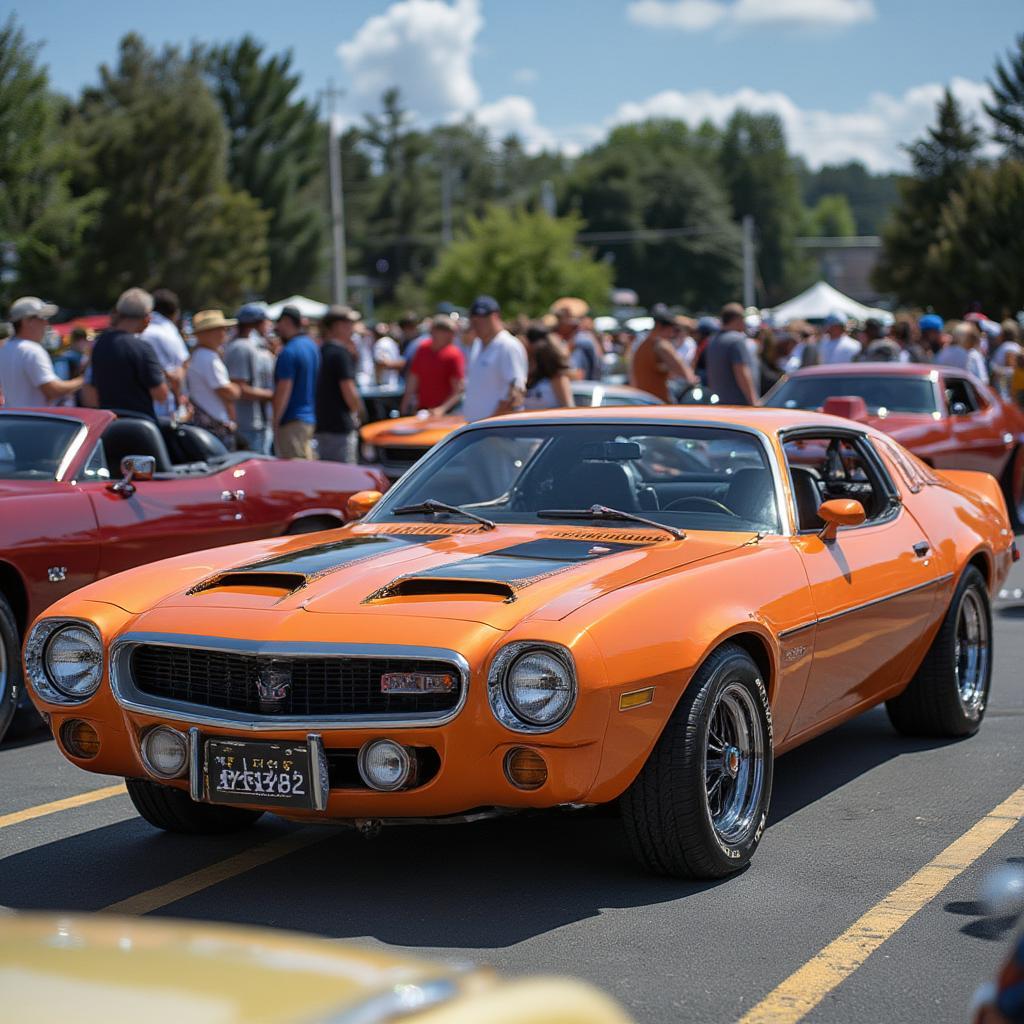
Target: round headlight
(539,688)
(73,660)
(384,765)
(165,752)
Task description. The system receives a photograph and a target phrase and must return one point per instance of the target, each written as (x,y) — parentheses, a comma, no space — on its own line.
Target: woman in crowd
(768,357)
(550,382)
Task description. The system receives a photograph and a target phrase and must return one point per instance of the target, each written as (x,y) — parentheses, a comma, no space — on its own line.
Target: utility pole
(749,295)
(339,278)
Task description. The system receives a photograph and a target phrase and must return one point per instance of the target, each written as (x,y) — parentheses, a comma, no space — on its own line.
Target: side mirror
(839,512)
(134,468)
(959,409)
(361,502)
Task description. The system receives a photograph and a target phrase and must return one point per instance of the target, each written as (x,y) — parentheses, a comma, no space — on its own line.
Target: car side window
(826,467)
(961,397)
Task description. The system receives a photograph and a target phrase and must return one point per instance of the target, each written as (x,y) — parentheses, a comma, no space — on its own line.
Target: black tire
(11,680)
(174,811)
(947,696)
(667,811)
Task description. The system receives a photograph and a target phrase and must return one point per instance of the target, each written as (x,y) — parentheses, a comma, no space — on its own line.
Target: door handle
(232,495)
(921,548)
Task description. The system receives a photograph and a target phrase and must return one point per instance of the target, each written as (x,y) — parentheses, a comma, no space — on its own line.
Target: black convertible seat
(807,495)
(188,443)
(135,437)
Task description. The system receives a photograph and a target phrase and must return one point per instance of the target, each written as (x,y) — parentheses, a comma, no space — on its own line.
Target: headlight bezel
(36,670)
(502,705)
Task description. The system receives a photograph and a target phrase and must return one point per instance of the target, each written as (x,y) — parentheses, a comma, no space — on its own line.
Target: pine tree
(761,180)
(277,153)
(1007,108)
(41,224)
(940,161)
(150,139)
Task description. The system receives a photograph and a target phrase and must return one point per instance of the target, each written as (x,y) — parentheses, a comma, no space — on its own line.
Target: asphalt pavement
(855,814)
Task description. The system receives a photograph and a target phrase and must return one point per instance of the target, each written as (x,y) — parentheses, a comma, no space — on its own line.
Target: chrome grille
(316,687)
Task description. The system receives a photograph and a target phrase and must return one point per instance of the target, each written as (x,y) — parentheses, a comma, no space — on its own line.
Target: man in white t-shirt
(837,346)
(169,346)
(27,376)
(388,361)
(497,372)
(963,351)
(209,386)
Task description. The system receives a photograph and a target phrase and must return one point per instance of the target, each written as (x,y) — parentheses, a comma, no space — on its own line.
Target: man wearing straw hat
(210,388)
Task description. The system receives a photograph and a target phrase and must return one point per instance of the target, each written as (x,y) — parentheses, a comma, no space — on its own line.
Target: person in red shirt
(434,380)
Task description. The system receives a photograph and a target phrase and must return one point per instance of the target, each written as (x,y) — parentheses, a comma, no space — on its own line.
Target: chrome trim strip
(786,523)
(319,783)
(131,699)
(195,765)
(867,604)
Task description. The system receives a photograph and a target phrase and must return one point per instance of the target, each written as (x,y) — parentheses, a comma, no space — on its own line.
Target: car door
(872,587)
(978,442)
(169,515)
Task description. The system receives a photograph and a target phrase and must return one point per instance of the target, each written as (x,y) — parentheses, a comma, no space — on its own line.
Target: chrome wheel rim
(971,653)
(734,764)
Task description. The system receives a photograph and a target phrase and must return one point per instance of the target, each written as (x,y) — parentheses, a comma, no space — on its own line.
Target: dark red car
(69,517)
(945,416)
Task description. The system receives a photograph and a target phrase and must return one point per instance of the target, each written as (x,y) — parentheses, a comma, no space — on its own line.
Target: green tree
(831,217)
(761,181)
(41,224)
(151,141)
(277,152)
(525,260)
(1007,106)
(658,213)
(979,245)
(871,196)
(940,162)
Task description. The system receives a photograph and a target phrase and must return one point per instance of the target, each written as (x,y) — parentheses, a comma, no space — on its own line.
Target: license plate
(261,773)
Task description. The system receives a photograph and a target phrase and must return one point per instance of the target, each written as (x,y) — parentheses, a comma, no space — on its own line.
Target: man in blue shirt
(295,388)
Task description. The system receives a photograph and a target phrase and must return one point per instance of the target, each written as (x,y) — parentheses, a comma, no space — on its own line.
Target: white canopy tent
(822,300)
(307,307)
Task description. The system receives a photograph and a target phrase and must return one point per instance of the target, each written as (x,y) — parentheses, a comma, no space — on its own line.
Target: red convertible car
(87,494)
(946,417)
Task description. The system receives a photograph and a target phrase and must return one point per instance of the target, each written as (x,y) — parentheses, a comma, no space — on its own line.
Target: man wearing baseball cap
(250,365)
(27,376)
(931,326)
(295,388)
(498,368)
(125,372)
(836,345)
(339,406)
(209,387)
(436,371)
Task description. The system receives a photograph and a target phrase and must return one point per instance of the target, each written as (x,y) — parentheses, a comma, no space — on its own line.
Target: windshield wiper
(434,506)
(604,512)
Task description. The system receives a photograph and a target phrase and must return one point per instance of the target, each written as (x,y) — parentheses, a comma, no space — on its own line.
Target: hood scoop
(281,584)
(499,574)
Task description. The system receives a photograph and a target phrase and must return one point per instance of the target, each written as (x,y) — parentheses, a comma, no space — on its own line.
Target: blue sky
(850,78)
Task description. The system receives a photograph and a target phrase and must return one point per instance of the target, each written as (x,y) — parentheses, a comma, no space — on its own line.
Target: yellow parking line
(805,988)
(41,810)
(187,885)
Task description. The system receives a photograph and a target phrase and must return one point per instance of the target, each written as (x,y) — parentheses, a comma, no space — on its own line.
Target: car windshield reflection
(881,395)
(34,447)
(687,477)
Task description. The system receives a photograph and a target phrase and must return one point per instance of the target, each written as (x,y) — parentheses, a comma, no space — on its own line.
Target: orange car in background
(393,445)
(642,605)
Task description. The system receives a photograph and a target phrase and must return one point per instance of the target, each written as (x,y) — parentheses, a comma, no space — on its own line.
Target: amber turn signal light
(525,768)
(79,739)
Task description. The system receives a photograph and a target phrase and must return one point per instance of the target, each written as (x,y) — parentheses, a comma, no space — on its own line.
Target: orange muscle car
(641,605)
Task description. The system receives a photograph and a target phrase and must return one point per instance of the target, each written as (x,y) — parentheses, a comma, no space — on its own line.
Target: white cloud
(517,115)
(700,15)
(688,15)
(425,48)
(873,134)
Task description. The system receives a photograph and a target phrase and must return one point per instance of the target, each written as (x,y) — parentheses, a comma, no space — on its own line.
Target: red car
(71,514)
(946,417)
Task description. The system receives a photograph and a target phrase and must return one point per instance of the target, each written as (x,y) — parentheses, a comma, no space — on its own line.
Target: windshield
(881,395)
(33,447)
(691,478)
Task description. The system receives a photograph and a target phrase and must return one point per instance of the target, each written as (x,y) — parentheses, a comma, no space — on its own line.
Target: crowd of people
(298,389)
